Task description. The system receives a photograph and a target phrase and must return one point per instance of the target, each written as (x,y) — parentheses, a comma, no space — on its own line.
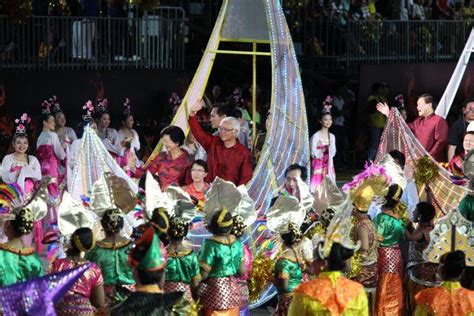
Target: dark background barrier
(148,91)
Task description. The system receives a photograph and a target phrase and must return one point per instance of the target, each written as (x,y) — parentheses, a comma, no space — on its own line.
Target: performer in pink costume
(66,134)
(107,134)
(128,141)
(323,149)
(50,154)
(23,170)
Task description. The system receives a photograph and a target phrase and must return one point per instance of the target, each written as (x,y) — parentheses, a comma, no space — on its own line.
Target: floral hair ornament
(327,105)
(21,124)
(101,105)
(46,107)
(55,106)
(127,107)
(89,109)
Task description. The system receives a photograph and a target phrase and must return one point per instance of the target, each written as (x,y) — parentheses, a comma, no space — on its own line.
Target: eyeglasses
(225,130)
(198,170)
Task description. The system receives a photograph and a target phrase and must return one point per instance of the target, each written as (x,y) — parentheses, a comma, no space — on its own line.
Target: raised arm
(204,138)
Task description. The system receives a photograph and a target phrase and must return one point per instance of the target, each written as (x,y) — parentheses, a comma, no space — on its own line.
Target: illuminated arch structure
(259,22)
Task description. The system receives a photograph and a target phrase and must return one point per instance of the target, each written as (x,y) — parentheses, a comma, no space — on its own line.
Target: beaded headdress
(451,232)
(21,125)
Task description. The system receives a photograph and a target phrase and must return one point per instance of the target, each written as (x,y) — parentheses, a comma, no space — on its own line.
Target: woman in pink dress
(107,135)
(323,149)
(22,169)
(198,188)
(66,134)
(129,143)
(50,154)
(87,294)
(171,165)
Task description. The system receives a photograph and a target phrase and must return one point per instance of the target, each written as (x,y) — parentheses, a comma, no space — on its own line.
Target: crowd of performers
(369,250)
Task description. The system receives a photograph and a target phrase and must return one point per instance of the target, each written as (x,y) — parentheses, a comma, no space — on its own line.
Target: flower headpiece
(89,109)
(372,181)
(101,105)
(54,103)
(46,107)
(127,107)
(22,123)
(327,105)
(400,100)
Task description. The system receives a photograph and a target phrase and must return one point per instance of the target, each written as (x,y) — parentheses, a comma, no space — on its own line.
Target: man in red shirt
(430,129)
(226,157)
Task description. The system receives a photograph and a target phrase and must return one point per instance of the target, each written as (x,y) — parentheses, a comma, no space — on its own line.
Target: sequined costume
(329,294)
(287,268)
(77,300)
(389,299)
(18,265)
(421,274)
(448,299)
(220,257)
(182,269)
(112,258)
(368,273)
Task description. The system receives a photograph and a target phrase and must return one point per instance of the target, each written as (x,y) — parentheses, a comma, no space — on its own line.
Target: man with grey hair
(227,158)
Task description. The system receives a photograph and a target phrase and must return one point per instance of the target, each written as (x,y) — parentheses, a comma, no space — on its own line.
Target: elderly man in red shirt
(226,157)
(430,129)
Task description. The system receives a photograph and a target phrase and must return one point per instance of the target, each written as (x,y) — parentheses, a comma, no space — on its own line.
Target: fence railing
(155,41)
(337,47)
